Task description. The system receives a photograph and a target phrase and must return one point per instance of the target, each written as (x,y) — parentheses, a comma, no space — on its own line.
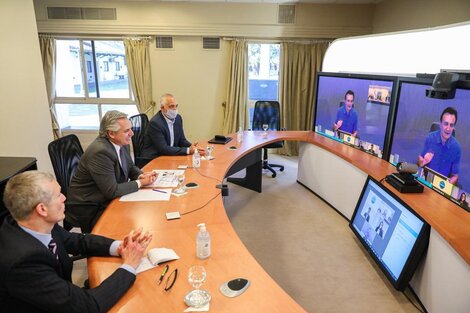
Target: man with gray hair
(106,171)
(35,267)
(165,134)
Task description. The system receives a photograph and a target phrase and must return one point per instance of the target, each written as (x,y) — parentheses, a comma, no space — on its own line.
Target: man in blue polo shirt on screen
(441,150)
(346,117)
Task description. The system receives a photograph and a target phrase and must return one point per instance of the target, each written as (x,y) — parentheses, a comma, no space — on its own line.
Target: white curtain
(235,104)
(47,46)
(140,77)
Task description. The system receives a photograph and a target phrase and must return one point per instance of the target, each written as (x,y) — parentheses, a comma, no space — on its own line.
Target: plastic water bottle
(203,242)
(196,159)
(240,135)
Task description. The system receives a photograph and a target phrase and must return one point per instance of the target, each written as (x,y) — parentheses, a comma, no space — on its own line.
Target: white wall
(24,115)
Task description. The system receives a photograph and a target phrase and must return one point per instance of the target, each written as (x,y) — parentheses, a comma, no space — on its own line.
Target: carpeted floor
(306,246)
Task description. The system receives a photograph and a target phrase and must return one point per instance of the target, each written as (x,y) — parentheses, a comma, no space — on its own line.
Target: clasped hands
(133,246)
(193,148)
(148,178)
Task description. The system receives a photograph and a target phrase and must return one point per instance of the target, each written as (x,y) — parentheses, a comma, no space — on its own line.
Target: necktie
(53,248)
(123,160)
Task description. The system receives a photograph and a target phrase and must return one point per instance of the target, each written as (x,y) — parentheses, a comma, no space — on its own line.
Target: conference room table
(230,258)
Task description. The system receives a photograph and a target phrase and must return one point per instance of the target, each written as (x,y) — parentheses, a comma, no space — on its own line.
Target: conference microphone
(407,168)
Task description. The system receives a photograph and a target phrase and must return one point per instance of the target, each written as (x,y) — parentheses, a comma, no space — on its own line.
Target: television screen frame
(364,76)
(416,253)
(425,81)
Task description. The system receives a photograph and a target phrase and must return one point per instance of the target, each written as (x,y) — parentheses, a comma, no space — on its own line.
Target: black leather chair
(268,112)
(139,125)
(65,154)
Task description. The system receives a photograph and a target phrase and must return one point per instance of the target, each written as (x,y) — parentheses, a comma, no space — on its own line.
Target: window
(263,74)
(88,84)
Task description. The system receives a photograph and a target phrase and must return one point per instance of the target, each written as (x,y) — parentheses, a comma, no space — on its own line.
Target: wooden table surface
(230,258)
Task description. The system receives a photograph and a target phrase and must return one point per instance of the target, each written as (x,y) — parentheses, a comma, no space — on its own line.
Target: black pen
(163,274)
(162,191)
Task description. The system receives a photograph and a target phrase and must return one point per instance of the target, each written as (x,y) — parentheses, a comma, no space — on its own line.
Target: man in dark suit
(165,134)
(35,268)
(106,171)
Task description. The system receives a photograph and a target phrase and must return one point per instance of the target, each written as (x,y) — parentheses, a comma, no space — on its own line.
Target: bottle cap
(202,227)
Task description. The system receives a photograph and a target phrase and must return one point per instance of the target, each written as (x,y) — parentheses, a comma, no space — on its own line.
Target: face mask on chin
(171,114)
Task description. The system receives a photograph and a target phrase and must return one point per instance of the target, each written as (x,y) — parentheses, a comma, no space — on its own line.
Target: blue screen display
(372,99)
(418,116)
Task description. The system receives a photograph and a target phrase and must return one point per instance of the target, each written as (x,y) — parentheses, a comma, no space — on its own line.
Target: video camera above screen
(443,86)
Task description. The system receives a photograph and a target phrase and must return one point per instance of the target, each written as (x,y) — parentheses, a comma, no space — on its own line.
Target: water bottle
(203,242)
(240,135)
(196,159)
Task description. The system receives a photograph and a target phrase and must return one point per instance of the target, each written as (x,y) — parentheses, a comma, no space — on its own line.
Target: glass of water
(265,129)
(209,150)
(197,297)
(181,178)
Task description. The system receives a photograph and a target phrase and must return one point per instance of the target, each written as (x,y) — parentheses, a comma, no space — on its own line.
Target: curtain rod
(81,36)
(280,40)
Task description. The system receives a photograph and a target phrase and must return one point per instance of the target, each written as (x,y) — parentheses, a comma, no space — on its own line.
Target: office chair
(139,125)
(65,154)
(268,112)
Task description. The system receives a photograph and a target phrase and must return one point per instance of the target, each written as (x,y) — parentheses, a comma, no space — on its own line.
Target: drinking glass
(209,150)
(197,297)
(265,129)
(181,178)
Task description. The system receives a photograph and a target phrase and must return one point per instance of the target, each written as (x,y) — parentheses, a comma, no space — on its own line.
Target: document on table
(147,195)
(167,178)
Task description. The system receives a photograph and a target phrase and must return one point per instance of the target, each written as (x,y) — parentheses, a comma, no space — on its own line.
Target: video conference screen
(354,109)
(438,146)
(393,234)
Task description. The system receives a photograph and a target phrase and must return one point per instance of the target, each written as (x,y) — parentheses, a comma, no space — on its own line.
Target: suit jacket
(33,280)
(157,138)
(99,177)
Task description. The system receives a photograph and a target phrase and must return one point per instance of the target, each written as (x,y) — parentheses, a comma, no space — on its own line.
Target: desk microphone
(407,168)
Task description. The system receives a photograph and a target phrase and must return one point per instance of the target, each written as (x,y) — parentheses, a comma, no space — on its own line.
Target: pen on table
(162,191)
(163,274)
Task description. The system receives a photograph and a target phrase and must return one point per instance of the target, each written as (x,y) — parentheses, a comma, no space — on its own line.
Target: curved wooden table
(230,258)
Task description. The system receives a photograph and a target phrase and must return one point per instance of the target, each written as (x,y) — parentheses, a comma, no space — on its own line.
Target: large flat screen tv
(393,234)
(441,143)
(355,109)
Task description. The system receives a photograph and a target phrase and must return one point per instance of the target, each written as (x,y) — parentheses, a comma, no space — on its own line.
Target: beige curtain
(235,104)
(299,65)
(140,77)
(47,46)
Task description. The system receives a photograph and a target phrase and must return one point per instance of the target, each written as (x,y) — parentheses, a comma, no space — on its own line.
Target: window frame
(86,99)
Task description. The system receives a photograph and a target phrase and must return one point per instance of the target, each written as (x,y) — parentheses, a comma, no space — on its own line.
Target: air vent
(286,14)
(164,42)
(212,43)
(74,13)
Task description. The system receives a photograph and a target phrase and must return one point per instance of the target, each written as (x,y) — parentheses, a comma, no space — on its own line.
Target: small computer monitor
(362,123)
(394,235)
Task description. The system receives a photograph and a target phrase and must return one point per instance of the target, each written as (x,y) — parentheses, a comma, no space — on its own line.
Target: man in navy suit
(106,171)
(35,268)
(165,134)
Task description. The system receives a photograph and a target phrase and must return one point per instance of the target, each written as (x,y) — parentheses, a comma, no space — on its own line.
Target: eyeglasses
(170,280)
(451,125)
(173,106)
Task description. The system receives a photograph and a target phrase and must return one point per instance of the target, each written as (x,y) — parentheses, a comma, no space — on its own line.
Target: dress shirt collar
(43,238)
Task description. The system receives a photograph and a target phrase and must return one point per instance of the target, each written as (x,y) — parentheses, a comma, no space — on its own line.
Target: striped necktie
(53,248)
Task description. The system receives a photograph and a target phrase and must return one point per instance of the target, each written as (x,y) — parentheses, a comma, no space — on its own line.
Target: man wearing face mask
(165,134)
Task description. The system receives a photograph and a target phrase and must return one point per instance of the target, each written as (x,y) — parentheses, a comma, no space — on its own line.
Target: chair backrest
(266,112)
(65,154)
(139,125)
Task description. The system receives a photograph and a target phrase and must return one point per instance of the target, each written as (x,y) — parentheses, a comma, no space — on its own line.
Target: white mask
(171,114)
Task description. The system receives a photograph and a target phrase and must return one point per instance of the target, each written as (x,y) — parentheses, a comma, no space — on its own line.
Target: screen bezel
(391,111)
(417,252)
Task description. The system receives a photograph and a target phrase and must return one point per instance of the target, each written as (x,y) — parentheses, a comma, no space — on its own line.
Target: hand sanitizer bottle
(196,159)
(240,135)
(203,242)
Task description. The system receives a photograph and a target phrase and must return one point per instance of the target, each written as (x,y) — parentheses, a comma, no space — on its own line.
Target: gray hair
(109,122)
(25,191)
(164,97)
